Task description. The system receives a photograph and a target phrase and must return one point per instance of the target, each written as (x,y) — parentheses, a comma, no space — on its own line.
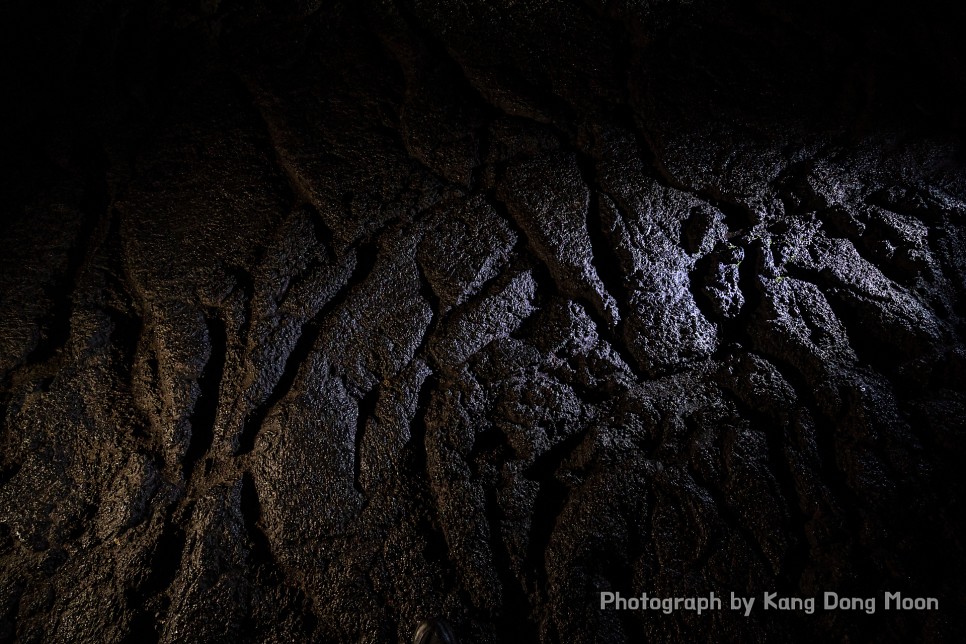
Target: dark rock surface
(319,319)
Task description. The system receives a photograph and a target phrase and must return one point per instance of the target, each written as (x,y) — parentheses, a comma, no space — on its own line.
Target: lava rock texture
(318,319)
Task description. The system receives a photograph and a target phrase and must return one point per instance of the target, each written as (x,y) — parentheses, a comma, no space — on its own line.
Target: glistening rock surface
(319,319)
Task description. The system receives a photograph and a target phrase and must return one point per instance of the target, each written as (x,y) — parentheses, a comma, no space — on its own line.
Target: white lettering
(834,602)
(895,601)
(742,603)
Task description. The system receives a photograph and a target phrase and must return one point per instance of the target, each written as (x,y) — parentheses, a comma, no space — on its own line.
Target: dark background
(318,319)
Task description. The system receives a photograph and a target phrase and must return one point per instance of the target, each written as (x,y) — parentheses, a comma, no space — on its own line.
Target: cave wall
(318,319)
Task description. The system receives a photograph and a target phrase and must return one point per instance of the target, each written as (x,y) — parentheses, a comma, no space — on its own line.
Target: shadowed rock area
(319,319)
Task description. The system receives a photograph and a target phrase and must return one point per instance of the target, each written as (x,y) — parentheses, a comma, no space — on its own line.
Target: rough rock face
(319,319)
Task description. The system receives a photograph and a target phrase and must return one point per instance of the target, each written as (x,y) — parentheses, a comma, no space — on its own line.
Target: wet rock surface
(321,319)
